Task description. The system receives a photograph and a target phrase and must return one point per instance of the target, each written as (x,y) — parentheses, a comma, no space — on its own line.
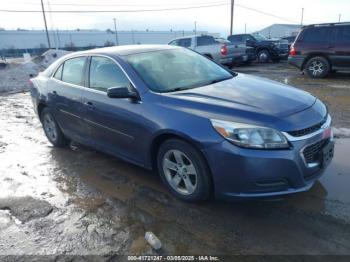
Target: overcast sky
(212,19)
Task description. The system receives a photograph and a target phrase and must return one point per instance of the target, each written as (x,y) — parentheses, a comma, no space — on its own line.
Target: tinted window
(105,73)
(316,35)
(343,35)
(185,42)
(205,40)
(58,74)
(235,38)
(73,70)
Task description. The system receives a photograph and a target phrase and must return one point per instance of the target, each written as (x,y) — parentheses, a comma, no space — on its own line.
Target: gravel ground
(77,201)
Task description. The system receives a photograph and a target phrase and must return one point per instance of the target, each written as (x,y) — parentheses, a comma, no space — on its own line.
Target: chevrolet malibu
(205,129)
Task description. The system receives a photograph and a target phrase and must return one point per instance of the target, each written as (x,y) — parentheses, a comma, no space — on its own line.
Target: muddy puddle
(79,201)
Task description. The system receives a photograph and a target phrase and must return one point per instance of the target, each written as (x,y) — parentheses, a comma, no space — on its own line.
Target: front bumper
(280,53)
(248,173)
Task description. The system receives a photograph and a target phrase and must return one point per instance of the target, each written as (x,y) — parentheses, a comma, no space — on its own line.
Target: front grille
(306,131)
(312,152)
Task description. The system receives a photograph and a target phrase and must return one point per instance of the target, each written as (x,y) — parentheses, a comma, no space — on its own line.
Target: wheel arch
(40,108)
(166,135)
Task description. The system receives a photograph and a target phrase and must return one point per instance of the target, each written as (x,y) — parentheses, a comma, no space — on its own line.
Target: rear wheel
(184,171)
(263,56)
(51,129)
(317,67)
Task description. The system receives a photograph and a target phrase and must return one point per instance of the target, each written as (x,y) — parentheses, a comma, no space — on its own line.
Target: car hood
(243,96)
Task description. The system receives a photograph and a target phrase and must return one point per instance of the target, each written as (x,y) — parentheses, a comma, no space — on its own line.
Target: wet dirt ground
(80,202)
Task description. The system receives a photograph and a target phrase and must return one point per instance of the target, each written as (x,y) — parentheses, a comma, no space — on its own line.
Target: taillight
(30,83)
(293,51)
(223,50)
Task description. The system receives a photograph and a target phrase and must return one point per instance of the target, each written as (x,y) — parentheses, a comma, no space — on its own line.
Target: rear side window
(58,74)
(73,70)
(205,40)
(185,42)
(343,34)
(105,73)
(316,35)
(235,38)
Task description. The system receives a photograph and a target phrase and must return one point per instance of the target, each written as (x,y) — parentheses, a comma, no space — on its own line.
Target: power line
(152,10)
(113,11)
(104,4)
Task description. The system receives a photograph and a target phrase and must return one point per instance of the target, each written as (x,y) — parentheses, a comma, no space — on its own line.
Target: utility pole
(115,31)
(195,27)
(245,28)
(231,21)
(302,16)
(339,18)
(47,32)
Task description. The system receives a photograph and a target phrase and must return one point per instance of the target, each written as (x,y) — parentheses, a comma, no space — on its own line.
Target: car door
(340,44)
(115,124)
(64,94)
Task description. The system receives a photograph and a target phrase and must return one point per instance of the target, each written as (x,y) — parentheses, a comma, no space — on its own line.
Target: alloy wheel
(180,172)
(316,68)
(50,127)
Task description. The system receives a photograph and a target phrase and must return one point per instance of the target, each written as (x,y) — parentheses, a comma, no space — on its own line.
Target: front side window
(343,35)
(174,42)
(105,73)
(316,35)
(73,70)
(176,69)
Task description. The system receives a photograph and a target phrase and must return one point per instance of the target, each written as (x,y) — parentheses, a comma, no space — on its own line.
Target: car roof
(125,50)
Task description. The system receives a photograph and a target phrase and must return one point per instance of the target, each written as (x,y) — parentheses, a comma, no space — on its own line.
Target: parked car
(289,39)
(204,128)
(265,49)
(322,48)
(223,53)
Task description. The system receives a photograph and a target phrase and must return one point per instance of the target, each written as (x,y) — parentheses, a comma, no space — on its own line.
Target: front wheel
(51,129)
(317,67)
(263,56)
(184,171)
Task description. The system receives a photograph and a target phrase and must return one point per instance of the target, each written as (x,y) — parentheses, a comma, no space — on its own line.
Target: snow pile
(49,57)
(15,76)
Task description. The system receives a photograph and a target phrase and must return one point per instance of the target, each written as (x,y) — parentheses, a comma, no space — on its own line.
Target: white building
(30,39)
(280,30)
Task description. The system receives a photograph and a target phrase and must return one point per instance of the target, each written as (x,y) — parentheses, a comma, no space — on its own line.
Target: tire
(184,171)
(51,129)
(263,56)
(317,67)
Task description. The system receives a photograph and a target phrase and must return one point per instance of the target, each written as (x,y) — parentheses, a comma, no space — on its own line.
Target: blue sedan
(205,129)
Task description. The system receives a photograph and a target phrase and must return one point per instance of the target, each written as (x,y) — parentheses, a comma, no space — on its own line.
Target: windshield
(259,37)
(176,69)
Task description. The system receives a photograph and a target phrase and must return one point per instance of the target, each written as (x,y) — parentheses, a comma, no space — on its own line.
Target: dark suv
(320,49)
(265,49)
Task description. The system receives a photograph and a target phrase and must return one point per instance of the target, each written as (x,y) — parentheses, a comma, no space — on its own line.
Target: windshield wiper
(219,80)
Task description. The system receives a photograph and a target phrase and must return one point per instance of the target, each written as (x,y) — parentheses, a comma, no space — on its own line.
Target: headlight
(250,136)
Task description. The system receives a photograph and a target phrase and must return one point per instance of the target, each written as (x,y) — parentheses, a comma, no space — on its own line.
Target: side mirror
(121,92)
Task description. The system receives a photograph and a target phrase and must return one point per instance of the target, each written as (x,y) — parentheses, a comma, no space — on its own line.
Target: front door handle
(90,104)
